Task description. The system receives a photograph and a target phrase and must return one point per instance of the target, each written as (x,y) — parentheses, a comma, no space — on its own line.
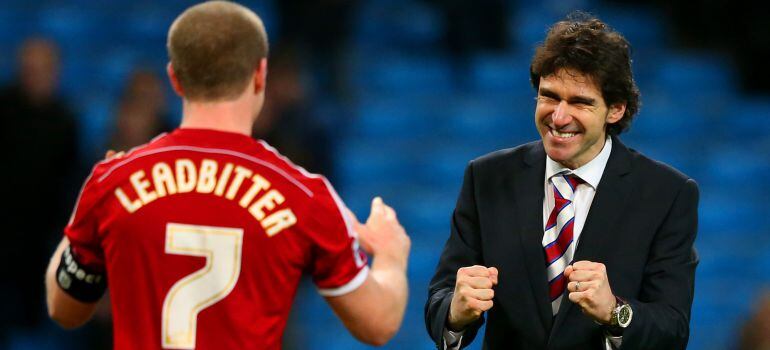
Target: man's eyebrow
(579,99)
(582,99)
(548,93)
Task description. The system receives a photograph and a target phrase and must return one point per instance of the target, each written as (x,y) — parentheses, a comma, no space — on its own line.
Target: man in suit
(574,241)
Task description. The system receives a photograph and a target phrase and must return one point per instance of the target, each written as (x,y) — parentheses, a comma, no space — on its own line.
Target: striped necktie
(558,240)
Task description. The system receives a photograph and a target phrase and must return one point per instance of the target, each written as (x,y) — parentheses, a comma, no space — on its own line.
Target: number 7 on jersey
(221,246)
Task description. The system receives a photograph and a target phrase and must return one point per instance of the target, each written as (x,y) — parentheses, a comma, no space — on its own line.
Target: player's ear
(616,113)
(260,76)
(174,80)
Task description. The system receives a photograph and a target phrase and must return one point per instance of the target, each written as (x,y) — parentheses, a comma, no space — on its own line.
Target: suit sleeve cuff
(452,339)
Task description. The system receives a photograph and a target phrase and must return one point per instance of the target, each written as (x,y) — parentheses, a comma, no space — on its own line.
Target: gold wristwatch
(621,317)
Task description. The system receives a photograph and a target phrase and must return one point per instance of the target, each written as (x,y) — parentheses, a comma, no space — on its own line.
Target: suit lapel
(529,212)
(597,236)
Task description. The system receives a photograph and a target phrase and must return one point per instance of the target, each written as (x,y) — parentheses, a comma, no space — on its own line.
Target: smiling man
(574,241)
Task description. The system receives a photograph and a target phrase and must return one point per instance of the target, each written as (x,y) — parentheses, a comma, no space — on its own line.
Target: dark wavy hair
(586,44)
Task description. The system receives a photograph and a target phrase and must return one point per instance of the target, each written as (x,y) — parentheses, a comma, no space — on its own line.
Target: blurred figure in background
(755,334)
(286,122)
(38,137)
(142,111)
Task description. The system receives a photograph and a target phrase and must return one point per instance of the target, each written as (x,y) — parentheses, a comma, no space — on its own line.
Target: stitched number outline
(221,246)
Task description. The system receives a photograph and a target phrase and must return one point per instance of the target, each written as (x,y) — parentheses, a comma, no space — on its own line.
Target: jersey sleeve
(339,264)
(82,229)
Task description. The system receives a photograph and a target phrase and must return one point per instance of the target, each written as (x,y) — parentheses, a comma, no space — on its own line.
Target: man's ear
(174,80)
(260,76)
(616,113)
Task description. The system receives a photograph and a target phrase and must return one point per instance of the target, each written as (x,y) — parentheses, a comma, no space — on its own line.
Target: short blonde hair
(214,48)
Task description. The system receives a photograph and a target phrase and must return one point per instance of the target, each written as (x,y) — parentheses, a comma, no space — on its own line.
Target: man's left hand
(590,288)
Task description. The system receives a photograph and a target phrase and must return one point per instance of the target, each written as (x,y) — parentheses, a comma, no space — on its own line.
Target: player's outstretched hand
(383,236)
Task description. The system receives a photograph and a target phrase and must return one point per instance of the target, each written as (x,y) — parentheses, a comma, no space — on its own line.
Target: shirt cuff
(352,285)
(452,339)
(611,343)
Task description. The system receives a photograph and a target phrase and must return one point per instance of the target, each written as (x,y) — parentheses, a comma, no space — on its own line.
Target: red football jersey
(204,236)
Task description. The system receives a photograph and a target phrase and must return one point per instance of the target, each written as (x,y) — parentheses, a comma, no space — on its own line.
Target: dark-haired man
(574,241)
(202,234)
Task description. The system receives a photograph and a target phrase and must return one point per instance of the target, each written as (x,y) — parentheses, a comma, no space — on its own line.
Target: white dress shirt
(591,173)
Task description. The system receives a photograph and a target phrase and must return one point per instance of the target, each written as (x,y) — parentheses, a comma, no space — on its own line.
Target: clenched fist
(472,296)
(589,287)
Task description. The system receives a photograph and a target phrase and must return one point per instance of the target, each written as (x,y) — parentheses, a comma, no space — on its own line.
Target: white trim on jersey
(348,223)
(337,200)
(348,287)
(288,161)
(279,171)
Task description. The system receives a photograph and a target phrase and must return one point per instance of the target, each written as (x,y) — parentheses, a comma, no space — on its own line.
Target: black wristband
(79,282)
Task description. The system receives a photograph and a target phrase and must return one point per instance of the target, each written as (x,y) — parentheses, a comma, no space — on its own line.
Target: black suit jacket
(641,225)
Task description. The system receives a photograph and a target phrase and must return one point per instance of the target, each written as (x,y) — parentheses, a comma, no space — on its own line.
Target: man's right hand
(473,295)
(373,312)
(383,236)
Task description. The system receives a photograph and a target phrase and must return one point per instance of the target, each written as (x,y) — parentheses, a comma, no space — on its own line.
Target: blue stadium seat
(14,27)
(114,66)
(501,73)
(402,73)
(148,25)
(528,28)
(74,28)
(677,152)
(77,73)
(371,165)
(728,210)
(747,120)
(397,24)
(642,27)
(502,120)
(696,76)
(396,118)
(426,250)
(739,164)
(666,116)
(95,123)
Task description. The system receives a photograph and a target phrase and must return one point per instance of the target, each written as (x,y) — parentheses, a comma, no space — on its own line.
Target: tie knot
(566,184)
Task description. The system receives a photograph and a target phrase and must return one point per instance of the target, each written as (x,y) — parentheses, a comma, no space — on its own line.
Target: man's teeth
(563,134)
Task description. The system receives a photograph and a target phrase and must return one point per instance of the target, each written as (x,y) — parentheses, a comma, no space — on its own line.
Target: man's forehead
(571,78)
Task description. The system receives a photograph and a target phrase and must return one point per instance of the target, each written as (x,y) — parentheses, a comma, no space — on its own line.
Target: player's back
(205,235)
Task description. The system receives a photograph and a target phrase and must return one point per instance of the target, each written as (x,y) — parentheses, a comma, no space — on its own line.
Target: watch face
(624,315)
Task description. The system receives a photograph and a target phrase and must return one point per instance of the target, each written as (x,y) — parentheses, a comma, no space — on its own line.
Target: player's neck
(231,116)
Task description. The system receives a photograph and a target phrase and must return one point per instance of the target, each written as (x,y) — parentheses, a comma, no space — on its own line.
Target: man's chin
(558,152)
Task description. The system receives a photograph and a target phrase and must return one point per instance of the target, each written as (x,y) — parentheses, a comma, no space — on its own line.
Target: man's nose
(561,115)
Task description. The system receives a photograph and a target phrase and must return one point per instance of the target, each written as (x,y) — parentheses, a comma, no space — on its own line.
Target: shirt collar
(590,172)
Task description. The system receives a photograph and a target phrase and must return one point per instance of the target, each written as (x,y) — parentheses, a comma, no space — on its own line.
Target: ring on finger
(577,286)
